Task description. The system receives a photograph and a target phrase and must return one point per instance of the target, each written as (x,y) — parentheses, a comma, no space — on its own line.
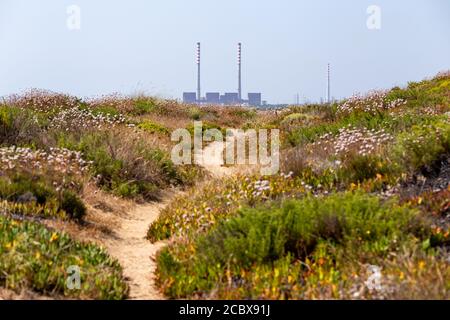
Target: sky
(148,46)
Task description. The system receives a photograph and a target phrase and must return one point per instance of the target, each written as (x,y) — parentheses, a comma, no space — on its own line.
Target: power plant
(228,98)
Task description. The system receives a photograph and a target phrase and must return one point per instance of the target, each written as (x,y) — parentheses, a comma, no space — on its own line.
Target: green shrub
(35,258)
(127,190)
(303,135)
(422,145)
(195,113)
(294,117)
(73,205)
(13,188)
(99,148)
(427,93)
(391,123)
(19,127)
(144,105)
(129,167)
(105,166)
(244,113)
(153,127)
(299,229)
(26,195)
(259,234)
(206,126)
(163,160)
(213,202)
(359,168)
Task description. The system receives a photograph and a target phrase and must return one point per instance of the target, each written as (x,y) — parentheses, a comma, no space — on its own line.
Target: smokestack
(198,72)
(328,86)
(239,72)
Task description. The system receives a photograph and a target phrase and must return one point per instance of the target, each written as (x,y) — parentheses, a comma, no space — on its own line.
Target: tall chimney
(198,72)
(240,72)
(328,86)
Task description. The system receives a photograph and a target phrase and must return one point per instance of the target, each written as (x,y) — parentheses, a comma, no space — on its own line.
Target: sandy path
(135,253)
(213,158)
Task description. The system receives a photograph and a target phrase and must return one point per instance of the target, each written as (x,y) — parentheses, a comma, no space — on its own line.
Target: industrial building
(190,97)
(228,98)
(254,99)
(213,97)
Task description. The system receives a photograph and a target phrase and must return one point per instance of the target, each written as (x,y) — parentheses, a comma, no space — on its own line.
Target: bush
(144,105)
(206,126)
(18,127)
(422,145)
(25,195)
(72,205)
(195,113)
(298,230)
(14,188)
(427,93)
(262,235)
(36,258)
(358,169)
(153,127)
(126,165)
(294,118)
(202,208)
(244,113)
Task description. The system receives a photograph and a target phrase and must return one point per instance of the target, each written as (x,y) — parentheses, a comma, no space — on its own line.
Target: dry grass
(104,212)
(6,294)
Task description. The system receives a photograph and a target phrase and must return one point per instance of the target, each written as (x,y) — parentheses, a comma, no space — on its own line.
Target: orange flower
(54,237)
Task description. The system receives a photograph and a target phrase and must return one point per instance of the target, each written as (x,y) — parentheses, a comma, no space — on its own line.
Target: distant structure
(199,93)
(240,71)
(213,97)
(190,97)
(328,85)
(254,99)
(228,98)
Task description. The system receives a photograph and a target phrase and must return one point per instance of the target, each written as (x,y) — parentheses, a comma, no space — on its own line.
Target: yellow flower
(277,272)
(421,265)
(38,255)
(54,237)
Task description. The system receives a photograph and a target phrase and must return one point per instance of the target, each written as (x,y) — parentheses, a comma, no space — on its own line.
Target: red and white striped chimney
(198,59)
(239,60)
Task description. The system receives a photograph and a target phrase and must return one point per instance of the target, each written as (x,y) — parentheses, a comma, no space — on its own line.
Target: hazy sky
(148,46)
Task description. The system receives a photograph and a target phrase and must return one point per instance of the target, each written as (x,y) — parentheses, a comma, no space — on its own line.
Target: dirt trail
(135,253)
(212,158)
